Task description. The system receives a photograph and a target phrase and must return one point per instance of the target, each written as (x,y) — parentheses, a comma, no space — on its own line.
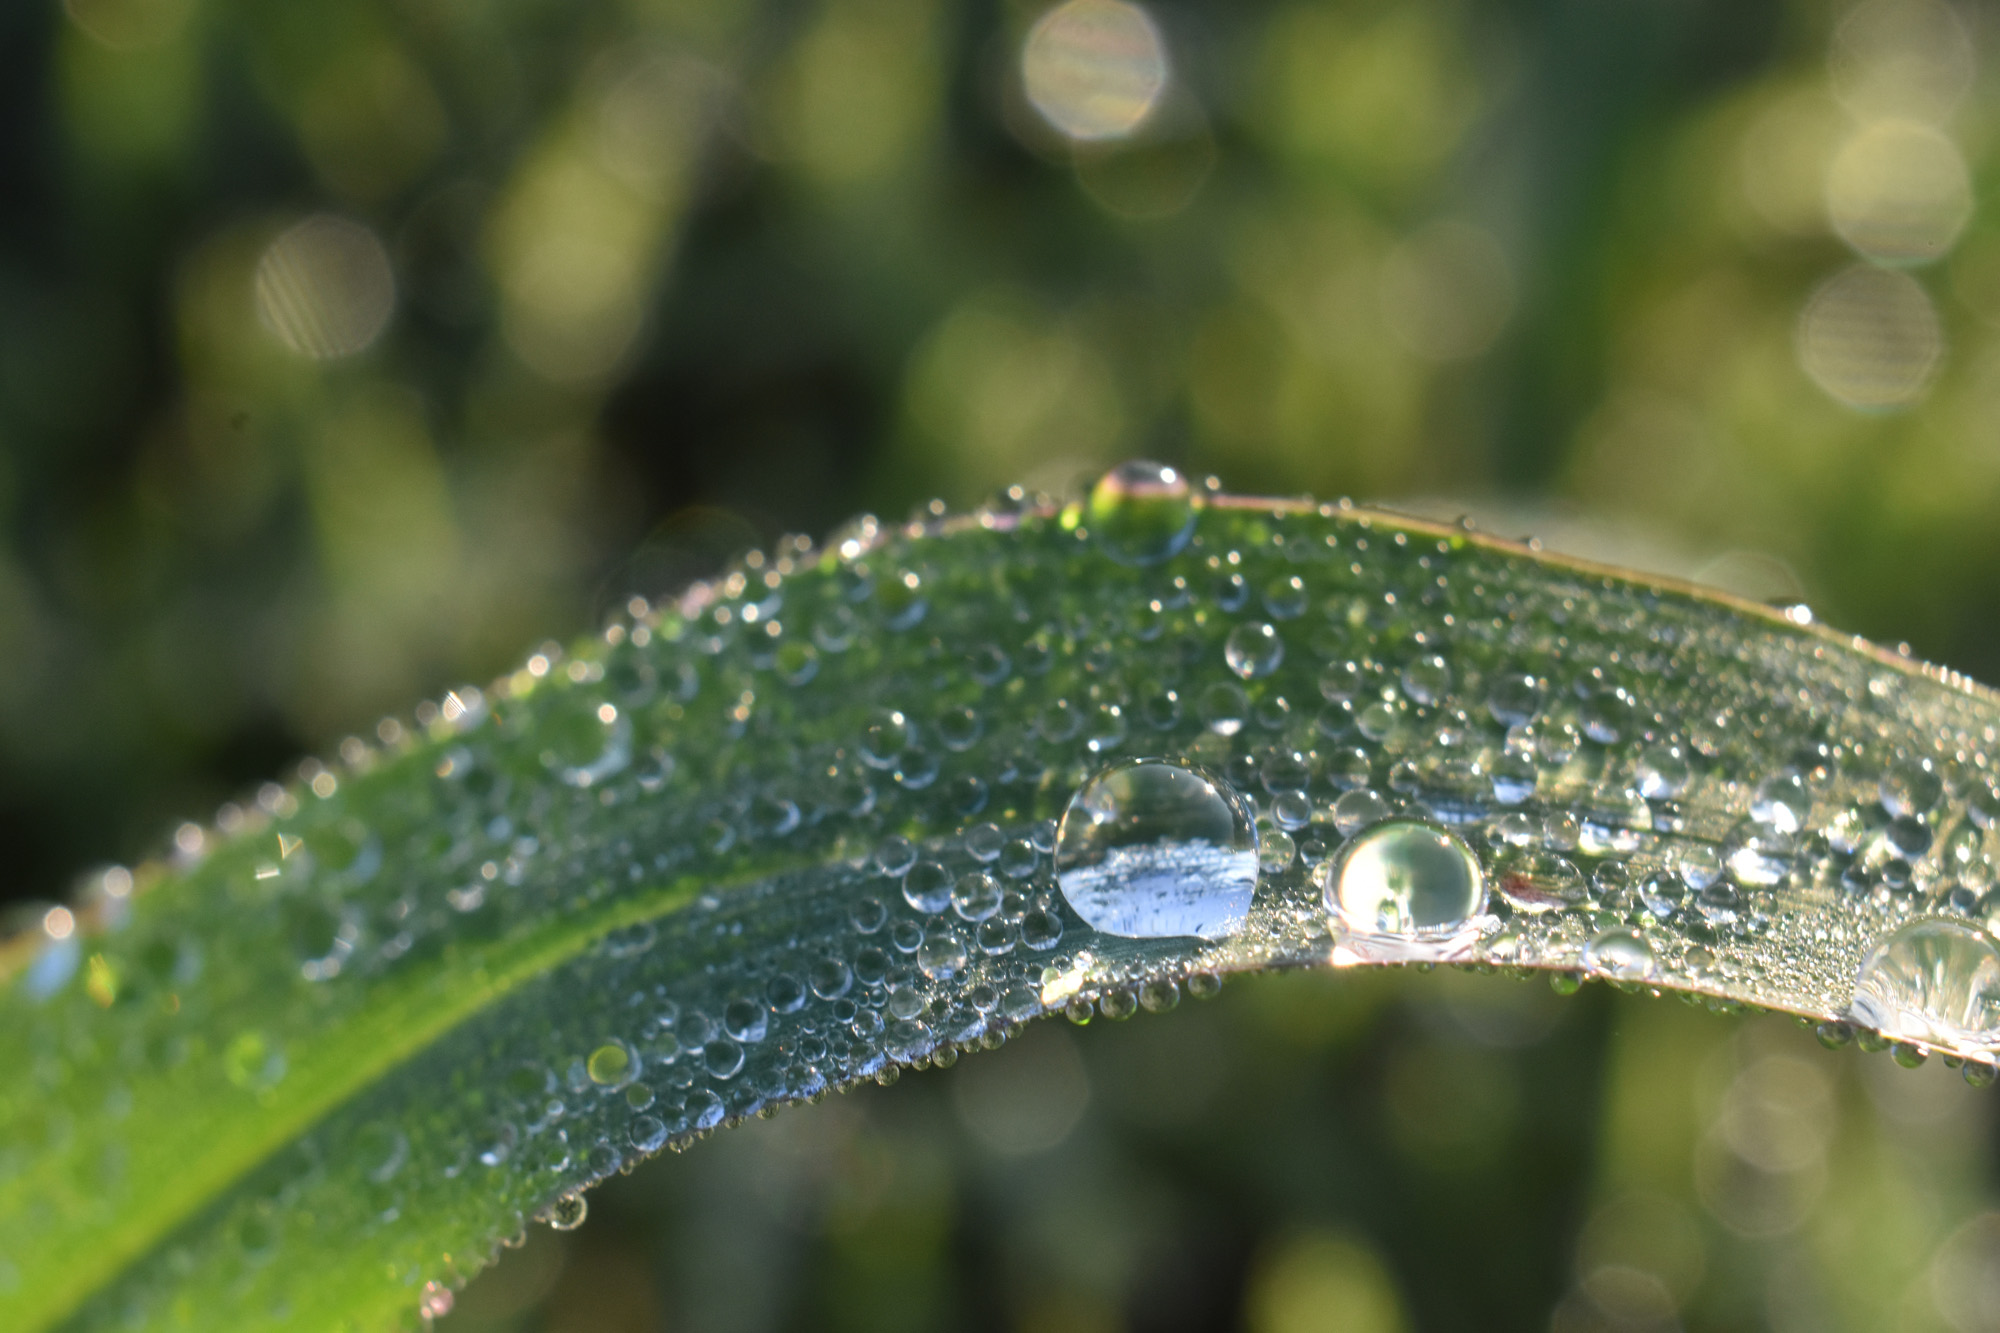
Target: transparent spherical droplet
(1933,981)
(1912,787)
(830,978)
(745,1019)
(1621,955)
(1404,888)
(612,1065)
(927,887)
(895,854)
(1781,802)
(723,1058)
(1357,809)
(1663,772)
(1140,512)
(976,896)
(1254,650)
(941,956)
(648,1133)
(1041,930)
(1427,680)
(1340,682)
(1094,69)
(1223,708)
(884,737)
(1153,847)
(1535,881)
(1514,698)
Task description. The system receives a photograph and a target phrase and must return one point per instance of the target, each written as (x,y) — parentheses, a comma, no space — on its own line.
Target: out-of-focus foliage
(346,347)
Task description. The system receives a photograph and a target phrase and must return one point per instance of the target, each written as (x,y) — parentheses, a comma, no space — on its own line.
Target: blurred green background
(347,349)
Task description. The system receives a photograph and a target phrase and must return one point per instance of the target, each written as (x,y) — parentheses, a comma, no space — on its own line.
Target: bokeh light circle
(1898,192)
(324,287)
(1870,338)
(1094,69)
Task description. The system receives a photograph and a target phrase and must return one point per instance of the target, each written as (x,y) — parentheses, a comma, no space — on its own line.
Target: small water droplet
(1933,981)
(1427,680)
(612,1065)
(1141,512)
(1514,698)
(1621,955)
(568,1211)
(1254,650)
(884,737)
(1911,788)
(976,896)
(1537,881)
(1663,772)
(1153,847)
(1357,809)
(1403,890)
(927,887)
(941,956)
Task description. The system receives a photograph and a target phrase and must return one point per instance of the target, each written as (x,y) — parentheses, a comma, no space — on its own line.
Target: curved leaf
(316,1070)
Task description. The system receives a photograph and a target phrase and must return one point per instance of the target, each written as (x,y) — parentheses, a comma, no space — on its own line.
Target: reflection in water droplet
(1152,847)
(1621,955)
(1403,890)
(1094,68)
(1933,981)
(1140,512)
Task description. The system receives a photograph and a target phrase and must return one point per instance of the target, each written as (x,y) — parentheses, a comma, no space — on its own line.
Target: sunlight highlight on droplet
(1095,69)
(324,288)
(1870,338)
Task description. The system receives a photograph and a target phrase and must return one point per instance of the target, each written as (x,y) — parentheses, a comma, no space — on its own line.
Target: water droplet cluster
(866,807)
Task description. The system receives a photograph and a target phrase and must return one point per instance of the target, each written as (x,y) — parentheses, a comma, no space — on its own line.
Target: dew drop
(1253,650)
(1620,955)
(941,956)
(1403,890)
(568,1211)
(927,887)
(1427,680)
(1152,847)
(1933,981)
(612,1065)
(976,896)
(1537,881)
(1141,512)
(1514,698)
(1357,809)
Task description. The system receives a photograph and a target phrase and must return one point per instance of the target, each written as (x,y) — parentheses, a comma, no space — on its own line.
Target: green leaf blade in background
(317,1071)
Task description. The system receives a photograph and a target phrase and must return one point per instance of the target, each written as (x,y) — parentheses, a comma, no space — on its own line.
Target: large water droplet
(1402,890)
(1141,512)
(1152,847)
(1933,981)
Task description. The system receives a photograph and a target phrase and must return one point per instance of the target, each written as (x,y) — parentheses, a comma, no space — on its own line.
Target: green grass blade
(316,1071)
